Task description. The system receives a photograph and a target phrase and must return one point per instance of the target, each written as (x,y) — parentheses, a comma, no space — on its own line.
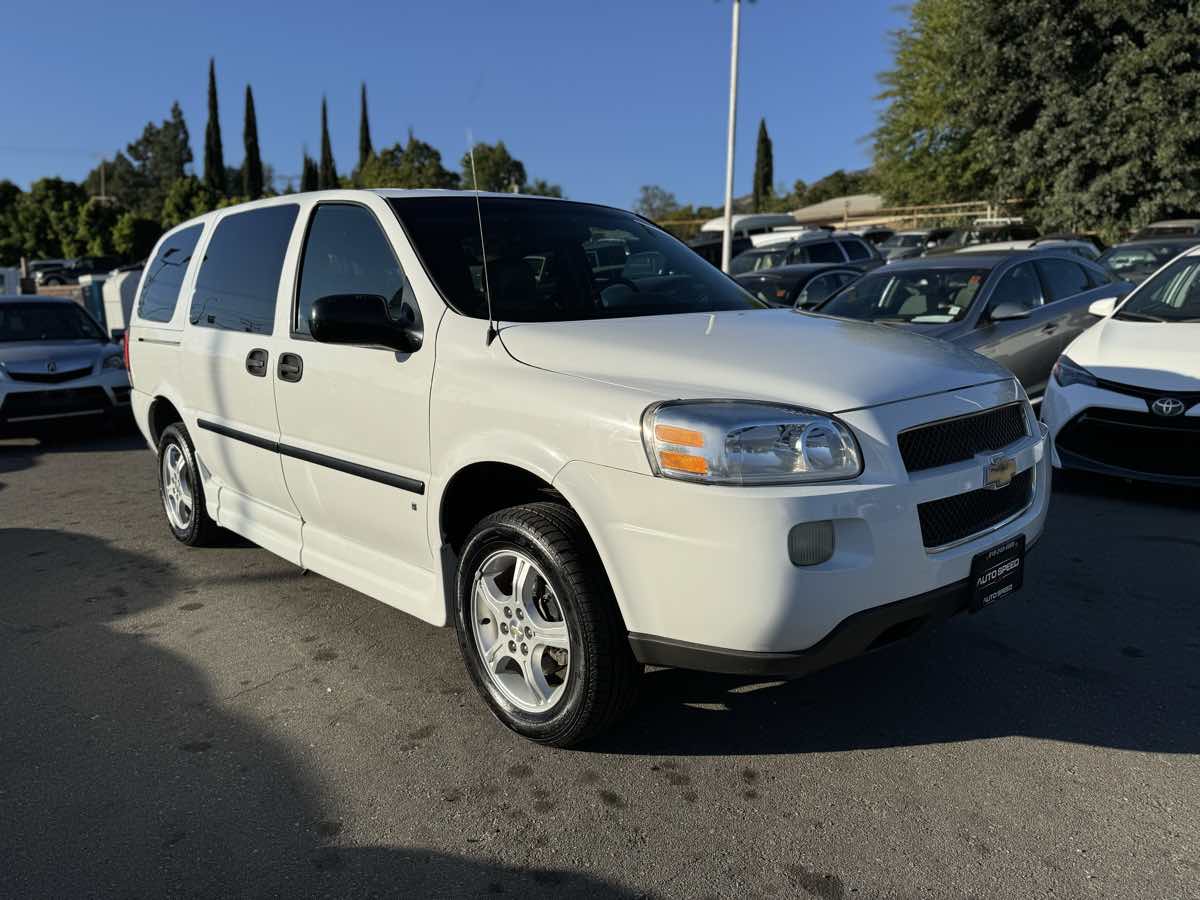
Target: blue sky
(600,97)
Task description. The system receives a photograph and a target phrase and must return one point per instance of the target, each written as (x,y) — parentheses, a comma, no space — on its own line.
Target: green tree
(252,167)
(310,177)
(365,150)
(496,168)
(10,238)
(188,197)
(214,157)
(838,183)
(657,203)
(94,229)
(134,236)
(412,165)
(764,168)
(46,218)
(541,188)
(327,176)
(160,157)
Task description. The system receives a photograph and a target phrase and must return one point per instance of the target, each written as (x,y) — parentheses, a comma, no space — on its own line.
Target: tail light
(125,350)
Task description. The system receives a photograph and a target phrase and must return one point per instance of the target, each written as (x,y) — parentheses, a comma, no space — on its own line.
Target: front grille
(50,377)
(1189,398)
(31,404)
(961,438)
(956,518)
(1135,441)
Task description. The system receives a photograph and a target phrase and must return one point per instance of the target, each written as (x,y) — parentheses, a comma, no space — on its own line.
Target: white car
(56,364)
(439,399)
(1124,398)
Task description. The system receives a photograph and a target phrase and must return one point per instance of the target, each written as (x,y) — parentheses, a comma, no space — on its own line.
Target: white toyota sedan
(1125,395)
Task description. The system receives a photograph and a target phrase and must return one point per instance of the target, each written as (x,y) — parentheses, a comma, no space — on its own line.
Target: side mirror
(361,319)
(1003,312)
(117,335)
(1104,308)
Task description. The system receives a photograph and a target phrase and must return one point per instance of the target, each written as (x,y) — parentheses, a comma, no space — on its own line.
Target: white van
(442,400)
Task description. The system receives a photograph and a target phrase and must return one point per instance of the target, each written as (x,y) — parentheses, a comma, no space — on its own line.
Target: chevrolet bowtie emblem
(999,472)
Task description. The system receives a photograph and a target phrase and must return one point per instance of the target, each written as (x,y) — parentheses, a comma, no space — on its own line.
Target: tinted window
(822,252)
(820,288)
(539,268)
(1062,278)
(164,275)
(346,252)
(1020,286)
(47,321)
(239,277)
(935,295)
(856,250)
(1172,295)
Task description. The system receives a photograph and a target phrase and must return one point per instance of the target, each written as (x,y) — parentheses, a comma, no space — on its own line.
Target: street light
(727,238)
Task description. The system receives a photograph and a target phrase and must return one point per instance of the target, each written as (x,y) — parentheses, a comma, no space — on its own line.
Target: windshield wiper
(1138,317)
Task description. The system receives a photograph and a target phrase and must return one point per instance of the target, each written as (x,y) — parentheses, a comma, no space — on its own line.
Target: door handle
(256,363)
(1050,328)
(291,367)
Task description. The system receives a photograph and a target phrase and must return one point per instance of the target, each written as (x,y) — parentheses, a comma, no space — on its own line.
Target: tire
(601,675)
(198,529)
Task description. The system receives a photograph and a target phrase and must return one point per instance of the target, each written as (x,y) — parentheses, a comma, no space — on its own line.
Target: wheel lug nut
(528,632)
(520,613)
(504,627)
(507,613)
(524,648)
(512,646)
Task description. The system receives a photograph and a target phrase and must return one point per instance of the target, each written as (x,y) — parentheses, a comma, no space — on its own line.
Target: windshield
(755,262)
(552,261)
(914,295)
(43,321)
(1136,263)
(1173,295)
(901,240)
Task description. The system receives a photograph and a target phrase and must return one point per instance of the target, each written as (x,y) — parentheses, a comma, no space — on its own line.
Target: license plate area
(997,572)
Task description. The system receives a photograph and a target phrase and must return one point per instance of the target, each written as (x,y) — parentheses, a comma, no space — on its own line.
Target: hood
(828,364)
(1158,355)
(32,356)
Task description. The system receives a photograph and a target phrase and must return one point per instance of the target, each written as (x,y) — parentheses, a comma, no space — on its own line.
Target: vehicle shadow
(21,451)
(1101,647)
(124,775)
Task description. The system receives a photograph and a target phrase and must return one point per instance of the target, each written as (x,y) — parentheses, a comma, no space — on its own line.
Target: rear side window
(856,250)
(164,276)
(239,277)
(1062,278)
(1019,286)
(823,252)
(346,252)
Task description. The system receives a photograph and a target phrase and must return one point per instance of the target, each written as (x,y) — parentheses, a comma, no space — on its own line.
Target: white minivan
(453,403)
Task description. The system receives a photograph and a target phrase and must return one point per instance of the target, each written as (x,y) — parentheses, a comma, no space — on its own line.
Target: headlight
(746,443)
(1067,373)
(113,361)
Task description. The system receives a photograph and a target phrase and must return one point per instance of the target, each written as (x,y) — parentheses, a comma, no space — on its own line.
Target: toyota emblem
(52,366)
(1167,406)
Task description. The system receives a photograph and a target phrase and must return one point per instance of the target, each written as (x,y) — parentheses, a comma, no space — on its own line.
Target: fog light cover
(810,543)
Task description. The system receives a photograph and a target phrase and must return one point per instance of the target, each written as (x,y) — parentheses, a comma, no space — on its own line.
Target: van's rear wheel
(181,490)
(539,628)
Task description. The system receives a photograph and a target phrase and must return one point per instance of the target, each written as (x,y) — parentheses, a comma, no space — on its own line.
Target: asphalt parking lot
(215,722)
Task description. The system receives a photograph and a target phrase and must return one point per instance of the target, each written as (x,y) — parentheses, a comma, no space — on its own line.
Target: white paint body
(564,401)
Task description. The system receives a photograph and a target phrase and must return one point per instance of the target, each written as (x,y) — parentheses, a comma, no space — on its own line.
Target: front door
(354,419)
(1020,345)
(228,347)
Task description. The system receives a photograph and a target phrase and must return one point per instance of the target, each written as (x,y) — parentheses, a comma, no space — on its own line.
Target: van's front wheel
(538,626)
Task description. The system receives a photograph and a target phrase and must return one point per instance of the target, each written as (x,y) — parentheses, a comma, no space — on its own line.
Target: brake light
(125,351)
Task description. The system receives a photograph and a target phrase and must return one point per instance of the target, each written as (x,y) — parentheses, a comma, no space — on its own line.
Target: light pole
(727,237)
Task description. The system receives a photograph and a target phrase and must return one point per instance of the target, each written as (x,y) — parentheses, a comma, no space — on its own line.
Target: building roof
(829,210)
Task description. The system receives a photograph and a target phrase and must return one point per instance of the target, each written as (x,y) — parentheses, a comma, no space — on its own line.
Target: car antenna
(492,331)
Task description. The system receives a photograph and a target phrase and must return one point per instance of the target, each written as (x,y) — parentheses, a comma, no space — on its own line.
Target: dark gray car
(1020,309)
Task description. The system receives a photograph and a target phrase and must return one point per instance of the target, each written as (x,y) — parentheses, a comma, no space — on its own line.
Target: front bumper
(699,568)
(27,404)
(1106,432)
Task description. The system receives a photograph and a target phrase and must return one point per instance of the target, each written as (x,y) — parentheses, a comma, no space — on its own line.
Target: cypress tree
(252,168)
(365,150)
(214,159)
(764,167)
(327,175)
(309,177)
